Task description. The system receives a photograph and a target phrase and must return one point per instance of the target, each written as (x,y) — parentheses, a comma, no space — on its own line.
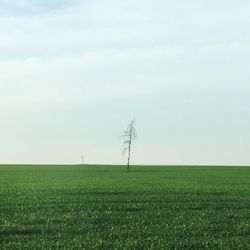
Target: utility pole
(82,159)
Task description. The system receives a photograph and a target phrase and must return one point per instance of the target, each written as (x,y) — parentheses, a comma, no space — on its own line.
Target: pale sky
(74,73)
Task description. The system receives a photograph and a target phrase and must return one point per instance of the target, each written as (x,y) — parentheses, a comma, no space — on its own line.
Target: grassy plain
(104,207)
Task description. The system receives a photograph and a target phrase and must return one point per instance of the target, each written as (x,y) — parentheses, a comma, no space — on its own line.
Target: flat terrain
(104,207)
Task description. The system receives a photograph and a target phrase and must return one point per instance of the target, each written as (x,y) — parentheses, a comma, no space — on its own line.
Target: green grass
(104,207)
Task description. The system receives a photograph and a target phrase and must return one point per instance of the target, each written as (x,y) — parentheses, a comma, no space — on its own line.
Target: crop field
(104,207)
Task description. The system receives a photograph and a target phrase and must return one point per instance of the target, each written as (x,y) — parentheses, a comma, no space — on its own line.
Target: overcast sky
(74,73)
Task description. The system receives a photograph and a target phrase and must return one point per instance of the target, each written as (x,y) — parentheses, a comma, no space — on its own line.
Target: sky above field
(74,73)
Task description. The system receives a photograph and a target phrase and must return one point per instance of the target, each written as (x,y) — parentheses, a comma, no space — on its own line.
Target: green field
(104,207)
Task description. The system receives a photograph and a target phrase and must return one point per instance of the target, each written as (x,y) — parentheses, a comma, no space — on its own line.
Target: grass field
(104,207)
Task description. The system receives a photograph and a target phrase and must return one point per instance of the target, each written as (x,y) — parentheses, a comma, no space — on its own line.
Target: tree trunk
(128,160)
(129,147)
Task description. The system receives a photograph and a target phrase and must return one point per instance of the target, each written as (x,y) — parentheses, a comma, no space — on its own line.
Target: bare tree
(129,134)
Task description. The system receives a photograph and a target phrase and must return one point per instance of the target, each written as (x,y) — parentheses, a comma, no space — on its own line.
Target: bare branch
(124,151)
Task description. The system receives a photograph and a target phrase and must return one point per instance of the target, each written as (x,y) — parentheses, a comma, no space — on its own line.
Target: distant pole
(82,159)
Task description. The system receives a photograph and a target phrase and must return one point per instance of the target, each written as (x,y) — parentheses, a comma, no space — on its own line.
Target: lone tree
(129,134)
